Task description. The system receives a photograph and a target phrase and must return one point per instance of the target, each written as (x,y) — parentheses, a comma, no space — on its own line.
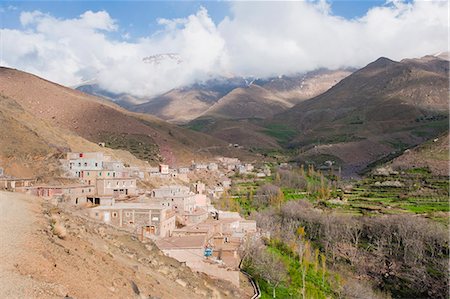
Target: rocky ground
(49,253)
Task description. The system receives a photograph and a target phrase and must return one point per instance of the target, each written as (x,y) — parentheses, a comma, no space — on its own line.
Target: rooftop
(64,186)
(181,243)
(132,205)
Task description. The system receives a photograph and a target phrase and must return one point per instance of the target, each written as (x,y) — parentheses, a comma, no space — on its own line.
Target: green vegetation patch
(281,133)
(200,125)
(141,146)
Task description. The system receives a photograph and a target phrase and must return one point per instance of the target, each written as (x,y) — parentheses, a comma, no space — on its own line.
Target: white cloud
(258,38)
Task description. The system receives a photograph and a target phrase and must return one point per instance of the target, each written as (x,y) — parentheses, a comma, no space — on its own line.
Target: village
(177,215)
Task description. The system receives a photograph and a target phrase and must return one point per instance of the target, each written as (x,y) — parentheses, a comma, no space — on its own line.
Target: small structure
(90,176)
(199,187)
(213,166)
(183,170)
(143,218)
(11,184)
(196,216)
(116,186)
(113,165)
(164,168)
(76,162)
(72,194)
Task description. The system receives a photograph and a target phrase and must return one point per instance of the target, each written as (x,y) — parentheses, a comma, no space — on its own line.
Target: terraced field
(415,191)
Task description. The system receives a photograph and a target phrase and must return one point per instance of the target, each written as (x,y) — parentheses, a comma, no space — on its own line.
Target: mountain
(297,88)
(250,102)
(381,109)
(184,104)
(41,117)
(187,103)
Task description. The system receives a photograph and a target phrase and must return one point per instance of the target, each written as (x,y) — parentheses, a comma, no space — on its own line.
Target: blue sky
(139,18)
(71,42)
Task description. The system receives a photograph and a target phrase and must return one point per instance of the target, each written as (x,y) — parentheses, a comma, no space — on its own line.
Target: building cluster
(100,181)
(180,219)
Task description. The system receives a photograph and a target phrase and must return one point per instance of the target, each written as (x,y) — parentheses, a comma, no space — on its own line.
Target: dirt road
(16,222)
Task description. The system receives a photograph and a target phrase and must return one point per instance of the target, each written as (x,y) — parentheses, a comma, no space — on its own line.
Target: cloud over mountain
(257,38)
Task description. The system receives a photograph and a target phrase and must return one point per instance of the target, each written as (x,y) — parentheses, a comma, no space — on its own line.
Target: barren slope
(101,121)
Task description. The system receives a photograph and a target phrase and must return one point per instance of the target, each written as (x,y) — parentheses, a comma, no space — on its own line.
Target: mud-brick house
(73,194)
(191,249)
(11,184)
(198,215)
(171,190)
(77,162)
(113,165)
(142,218)
(90,176)
(116,187)
(164,168)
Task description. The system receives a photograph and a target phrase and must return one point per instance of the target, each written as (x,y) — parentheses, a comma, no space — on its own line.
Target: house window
(114,214)
(128,214)
(96,164)
(108,174)
(100,173)
(85,163)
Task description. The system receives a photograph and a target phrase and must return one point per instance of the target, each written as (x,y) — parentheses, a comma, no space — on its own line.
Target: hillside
(250,102)
(432,156)
(381,109)
(53,108)
(88,259)
(30,147)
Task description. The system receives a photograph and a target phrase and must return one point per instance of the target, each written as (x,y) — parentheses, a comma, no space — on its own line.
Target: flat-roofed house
(171,190)
(76,162)
(113,165)
(73,194)
(142,218)
(116,187)
(11,184)
(164,168)
(90,176)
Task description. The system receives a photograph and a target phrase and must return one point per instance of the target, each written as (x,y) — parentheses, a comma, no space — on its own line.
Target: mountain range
(355,118)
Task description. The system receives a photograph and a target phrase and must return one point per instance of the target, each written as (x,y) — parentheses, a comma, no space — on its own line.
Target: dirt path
(16,227)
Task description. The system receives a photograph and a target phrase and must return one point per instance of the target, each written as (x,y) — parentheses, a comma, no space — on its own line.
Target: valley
(329,184)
